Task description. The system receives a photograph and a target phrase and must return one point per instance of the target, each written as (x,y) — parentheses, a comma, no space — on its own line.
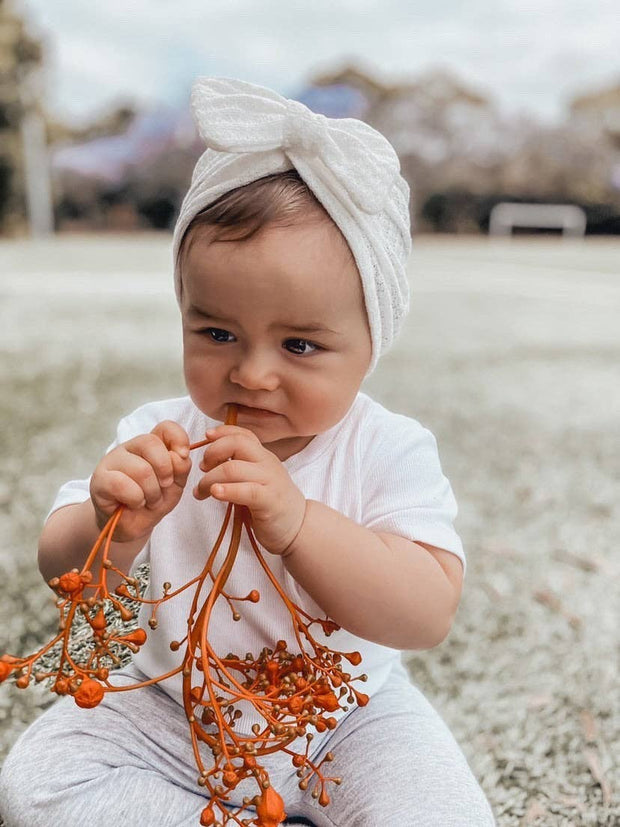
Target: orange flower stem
(292,607)
(108,529)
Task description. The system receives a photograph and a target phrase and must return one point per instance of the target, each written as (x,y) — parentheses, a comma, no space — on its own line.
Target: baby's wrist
(292,545)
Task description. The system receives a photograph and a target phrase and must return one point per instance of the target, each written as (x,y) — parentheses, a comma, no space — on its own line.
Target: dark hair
(281,199)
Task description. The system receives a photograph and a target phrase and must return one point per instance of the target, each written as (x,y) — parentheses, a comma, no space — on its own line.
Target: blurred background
(496,101)
(506,119)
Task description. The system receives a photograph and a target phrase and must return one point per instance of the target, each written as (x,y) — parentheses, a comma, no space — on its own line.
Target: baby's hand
(147,474)
(256,478)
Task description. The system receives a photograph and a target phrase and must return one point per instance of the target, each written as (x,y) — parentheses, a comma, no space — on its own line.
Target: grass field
(510,356)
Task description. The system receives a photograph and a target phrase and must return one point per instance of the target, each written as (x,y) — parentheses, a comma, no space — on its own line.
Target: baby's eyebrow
(200,311)
(306,327)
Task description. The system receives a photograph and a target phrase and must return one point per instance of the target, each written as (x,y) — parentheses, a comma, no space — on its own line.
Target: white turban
(352,169)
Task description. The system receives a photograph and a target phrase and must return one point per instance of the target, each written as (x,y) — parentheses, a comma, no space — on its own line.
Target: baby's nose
(254,372)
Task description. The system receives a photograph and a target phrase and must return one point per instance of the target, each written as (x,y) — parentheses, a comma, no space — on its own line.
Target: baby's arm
(378,586)
(147,475)
(381,587)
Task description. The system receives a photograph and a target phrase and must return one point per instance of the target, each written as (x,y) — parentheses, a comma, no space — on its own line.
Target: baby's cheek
(335,400)
(201,382)
(193,380)
(196,364)
(316,404)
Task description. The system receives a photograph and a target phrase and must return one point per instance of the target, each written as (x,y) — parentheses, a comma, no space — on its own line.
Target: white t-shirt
(379,468)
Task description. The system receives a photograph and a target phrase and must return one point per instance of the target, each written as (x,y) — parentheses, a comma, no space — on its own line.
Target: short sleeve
(141,421)
(405,491)
(78,491)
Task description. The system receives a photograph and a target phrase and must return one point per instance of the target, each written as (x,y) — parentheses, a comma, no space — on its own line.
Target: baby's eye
(218,335)
(302,347)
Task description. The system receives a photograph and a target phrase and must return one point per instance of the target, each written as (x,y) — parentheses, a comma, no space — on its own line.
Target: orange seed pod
(327,701)
(207,817)
(61,687)
(89,694)
(295,705)
(354,658)
(138,637)
(270,809)
(230,778)
(98,622)
(70,582)
(361,698)
(125,613)
(5,670)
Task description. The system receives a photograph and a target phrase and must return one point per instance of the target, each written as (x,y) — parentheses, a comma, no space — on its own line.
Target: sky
(526,56)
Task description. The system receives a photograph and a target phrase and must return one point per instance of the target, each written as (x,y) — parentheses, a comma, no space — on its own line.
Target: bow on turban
(352,169)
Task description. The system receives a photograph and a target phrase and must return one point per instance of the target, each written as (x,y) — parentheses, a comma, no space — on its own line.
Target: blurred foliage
(458,153)
(129,169)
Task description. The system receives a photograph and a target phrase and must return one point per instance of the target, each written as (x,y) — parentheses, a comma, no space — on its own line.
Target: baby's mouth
(252,411)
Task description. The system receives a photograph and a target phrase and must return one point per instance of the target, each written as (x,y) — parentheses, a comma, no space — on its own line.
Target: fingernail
(183,452)
(167,482)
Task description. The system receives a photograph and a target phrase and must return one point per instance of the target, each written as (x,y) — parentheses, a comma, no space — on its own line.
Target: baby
(290,265)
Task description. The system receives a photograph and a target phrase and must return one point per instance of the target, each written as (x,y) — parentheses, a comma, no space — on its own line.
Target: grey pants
(128,762)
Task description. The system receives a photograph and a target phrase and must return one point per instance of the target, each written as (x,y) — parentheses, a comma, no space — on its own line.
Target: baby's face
(276,325)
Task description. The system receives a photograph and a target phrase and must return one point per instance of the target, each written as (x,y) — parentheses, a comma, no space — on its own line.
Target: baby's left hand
(238,469)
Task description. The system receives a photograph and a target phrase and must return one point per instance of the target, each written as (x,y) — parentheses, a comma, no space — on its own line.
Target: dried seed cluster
(292,692)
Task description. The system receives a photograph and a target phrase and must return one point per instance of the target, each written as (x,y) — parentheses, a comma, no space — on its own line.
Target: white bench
(570,219)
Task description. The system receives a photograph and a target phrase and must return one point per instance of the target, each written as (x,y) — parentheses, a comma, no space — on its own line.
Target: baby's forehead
(291,279)
(309,257)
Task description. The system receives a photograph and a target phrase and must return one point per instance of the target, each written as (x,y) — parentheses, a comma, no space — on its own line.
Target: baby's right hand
(147,474)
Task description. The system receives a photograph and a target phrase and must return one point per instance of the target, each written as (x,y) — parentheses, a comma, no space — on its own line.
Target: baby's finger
(249,494)
(116,488)
(150,448)
(173,436)
(180,469)
(143,474)
(233,446)
(231,430)
(233,471)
